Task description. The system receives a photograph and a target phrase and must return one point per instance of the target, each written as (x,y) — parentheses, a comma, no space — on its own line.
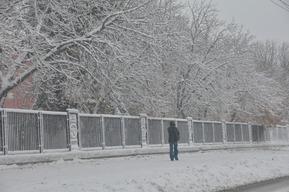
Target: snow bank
(195,172)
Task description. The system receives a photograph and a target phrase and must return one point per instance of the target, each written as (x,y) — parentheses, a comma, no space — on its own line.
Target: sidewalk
(205,170)
(28,157)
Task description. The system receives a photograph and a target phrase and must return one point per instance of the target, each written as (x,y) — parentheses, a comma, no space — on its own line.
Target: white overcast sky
(264,19)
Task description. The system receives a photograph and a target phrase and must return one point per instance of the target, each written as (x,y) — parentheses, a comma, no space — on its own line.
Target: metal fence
(90,131)
(1,132)
(109,131)
(29,130)
(280,133)
(207,132)
(22,131)
(55,134)
(157,133)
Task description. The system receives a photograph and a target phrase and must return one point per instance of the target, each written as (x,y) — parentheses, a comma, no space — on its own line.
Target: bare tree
(127,57)
(218,79)
(62,36)
(214,49)
(100,56)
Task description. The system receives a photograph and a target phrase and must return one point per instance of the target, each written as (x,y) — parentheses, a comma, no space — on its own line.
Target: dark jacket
(174,134)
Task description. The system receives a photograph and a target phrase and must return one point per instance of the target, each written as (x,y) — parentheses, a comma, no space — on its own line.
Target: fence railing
(36,131)
(280,133)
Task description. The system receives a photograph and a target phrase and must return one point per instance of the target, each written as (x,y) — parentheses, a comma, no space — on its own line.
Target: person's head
(172,124)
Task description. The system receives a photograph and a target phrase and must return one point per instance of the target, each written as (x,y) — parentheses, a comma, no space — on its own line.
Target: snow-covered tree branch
(128,57)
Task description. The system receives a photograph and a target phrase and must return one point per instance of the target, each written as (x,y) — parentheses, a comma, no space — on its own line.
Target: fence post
(41,133)
(242,136)
(276,136)
(224,131)
(287,131)
(214,134)
(273,133)
(163,132)
(270,134)
(258,133)
(250,131)
(234,129)
(102,131)
(4,132)
(203,130)
(123,131)
(143,126)
(73,129)
(190,129)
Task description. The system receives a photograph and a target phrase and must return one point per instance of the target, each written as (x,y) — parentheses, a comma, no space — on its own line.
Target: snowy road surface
(194,172)
(276,185)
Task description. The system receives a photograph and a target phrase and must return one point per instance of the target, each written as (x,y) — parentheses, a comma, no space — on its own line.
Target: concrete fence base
(113,153)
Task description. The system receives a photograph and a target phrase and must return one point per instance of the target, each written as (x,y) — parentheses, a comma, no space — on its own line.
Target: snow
(203,171)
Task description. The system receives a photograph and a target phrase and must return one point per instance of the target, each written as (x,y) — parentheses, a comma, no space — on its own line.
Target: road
(276,185)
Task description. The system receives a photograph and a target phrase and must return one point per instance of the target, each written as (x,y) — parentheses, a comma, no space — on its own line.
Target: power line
(282,4)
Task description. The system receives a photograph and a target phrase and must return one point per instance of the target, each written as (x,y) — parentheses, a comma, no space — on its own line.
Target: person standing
(174,136)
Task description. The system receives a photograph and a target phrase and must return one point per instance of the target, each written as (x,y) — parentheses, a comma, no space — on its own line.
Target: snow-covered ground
(194,172)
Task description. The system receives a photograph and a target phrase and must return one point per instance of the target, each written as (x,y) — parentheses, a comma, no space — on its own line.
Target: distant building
(21,97)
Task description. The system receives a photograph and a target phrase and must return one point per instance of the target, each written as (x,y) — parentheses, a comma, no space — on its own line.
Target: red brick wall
(21,97)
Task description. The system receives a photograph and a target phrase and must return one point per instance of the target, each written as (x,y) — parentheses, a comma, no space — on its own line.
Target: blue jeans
(174,150)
